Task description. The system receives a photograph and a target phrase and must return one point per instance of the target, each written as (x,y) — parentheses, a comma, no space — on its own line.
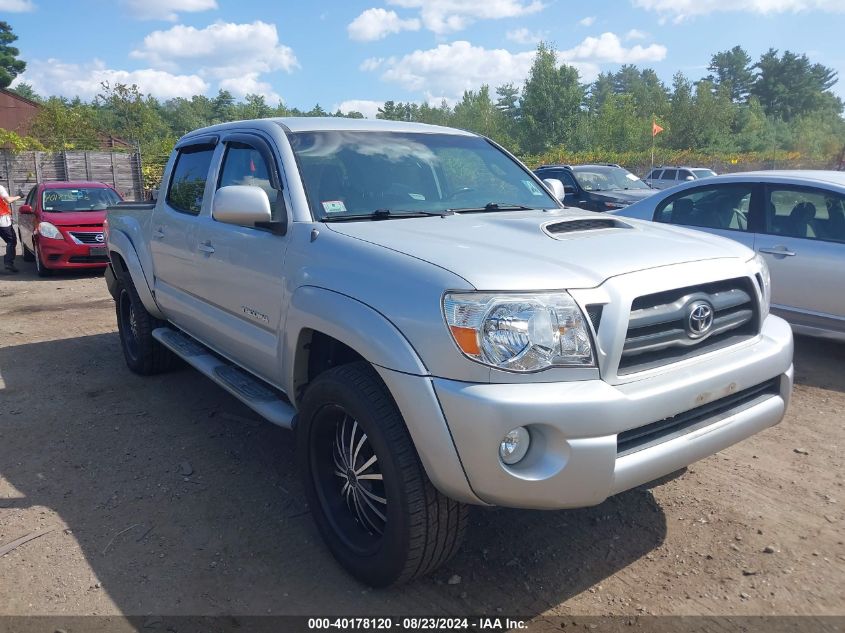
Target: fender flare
(120,244)
(355,324)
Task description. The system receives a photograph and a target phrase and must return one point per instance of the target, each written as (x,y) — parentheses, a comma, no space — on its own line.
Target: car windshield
(350,174)
(78,199)
(703,173)
(599,178)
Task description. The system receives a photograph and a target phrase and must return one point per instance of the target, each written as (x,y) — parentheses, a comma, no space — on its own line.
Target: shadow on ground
(184,502)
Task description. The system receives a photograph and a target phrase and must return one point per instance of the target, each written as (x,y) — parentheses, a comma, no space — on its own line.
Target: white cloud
(452,68)
(449,69)
(447,16)
(375,24)
(54,77)
(588,21)
(236,55)
(366,107)
(636,34)
(682,9)
(524,36)
(166,9)
(371,63)
(249,83)
(608,48)
(17,6)
(223,49)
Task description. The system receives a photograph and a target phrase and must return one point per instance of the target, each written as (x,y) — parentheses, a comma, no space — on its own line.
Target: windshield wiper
(388,214)
(493,206)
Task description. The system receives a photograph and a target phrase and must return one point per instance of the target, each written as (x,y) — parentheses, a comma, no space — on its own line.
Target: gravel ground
(165,495)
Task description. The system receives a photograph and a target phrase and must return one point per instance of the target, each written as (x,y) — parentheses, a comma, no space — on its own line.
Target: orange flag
(655,129)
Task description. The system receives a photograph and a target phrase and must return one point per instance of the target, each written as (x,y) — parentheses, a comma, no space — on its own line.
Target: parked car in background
(596,187)
(666,176)
(794,219)
(60,225)
(437,328)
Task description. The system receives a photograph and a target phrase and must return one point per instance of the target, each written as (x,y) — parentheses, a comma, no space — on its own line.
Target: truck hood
(513,250)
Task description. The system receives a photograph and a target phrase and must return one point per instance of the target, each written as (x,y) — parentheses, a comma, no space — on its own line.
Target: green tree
(26,91)
(10,65)
(60,125)
(732,70)
(790,86)
(551,101)
(223,107)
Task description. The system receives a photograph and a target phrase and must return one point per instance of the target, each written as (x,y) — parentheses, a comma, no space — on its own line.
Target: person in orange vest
(7,233)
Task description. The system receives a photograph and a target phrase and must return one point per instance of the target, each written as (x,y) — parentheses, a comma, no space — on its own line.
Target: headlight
(45,229)
(526,332)
(765,281)
(615,205)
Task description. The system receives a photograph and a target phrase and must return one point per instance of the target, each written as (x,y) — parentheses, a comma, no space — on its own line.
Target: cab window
(806,213)
(187,184)
(243,164)
(724,207)
(670,174)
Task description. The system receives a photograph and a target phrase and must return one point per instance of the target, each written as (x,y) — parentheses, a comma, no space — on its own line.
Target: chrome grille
(658,331)
(87,238)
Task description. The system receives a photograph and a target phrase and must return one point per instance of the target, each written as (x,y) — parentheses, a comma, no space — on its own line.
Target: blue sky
(356,54)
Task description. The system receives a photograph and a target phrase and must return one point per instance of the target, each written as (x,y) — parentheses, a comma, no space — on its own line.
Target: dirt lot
(166,495)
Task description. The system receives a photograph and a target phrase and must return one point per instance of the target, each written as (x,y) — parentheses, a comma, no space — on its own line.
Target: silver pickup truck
(437,329)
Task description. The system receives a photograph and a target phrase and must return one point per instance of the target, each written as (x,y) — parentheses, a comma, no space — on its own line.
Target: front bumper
(574,460)
(70,253)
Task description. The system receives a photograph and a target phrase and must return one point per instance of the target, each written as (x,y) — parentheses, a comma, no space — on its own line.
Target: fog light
(514,445)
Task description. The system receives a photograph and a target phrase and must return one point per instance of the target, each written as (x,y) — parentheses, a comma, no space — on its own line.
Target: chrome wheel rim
(348,479)
(357,469)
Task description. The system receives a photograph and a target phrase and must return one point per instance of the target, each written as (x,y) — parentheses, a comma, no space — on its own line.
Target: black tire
(39,265)
(144,355)
(422,528)
(27,254)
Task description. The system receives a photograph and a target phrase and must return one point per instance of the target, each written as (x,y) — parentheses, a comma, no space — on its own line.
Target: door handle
(206,247)
(158,234)
(780,250)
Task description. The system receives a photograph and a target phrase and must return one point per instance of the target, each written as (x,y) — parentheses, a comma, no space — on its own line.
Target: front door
(242,268)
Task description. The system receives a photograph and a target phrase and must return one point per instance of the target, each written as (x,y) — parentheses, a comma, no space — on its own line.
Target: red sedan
(60,225)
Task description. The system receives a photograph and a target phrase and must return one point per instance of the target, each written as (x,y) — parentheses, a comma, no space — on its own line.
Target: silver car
(795,219)
(665,177)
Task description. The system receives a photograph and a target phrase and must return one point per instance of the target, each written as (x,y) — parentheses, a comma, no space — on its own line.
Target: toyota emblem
(700,319)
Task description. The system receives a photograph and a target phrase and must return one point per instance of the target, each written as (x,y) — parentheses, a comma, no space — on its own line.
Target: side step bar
(265,400)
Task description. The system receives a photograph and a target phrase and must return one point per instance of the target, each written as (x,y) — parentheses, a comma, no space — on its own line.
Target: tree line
(781,102)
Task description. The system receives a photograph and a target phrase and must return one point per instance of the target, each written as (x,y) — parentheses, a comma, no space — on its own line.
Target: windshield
(703,173)
(352,173)
(603,178)
(78,199)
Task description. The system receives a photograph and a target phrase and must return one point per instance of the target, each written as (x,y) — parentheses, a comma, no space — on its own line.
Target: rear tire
(27,254)
(376,509)
(144,355)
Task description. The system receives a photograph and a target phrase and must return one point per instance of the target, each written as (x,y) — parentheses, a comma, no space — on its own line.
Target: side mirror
(568,189)
(242,205)
(25,209)
(689,178)
(556,187)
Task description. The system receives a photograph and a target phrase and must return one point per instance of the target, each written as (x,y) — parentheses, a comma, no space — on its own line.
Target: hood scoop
(559,228)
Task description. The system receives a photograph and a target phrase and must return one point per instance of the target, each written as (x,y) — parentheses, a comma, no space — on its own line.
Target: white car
(794,219)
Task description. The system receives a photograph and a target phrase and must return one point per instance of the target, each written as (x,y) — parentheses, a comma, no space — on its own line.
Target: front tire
(39,264)
(144,355)
(375,507)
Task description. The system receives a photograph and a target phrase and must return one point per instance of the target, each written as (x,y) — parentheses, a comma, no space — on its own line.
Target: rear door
(723,209)
(802,239)
(26,222)
(173,239)
(241,269)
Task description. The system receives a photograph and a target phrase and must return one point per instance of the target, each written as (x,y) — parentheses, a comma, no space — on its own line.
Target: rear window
(670,174)
(187,185)
(655,175)
(78,199)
